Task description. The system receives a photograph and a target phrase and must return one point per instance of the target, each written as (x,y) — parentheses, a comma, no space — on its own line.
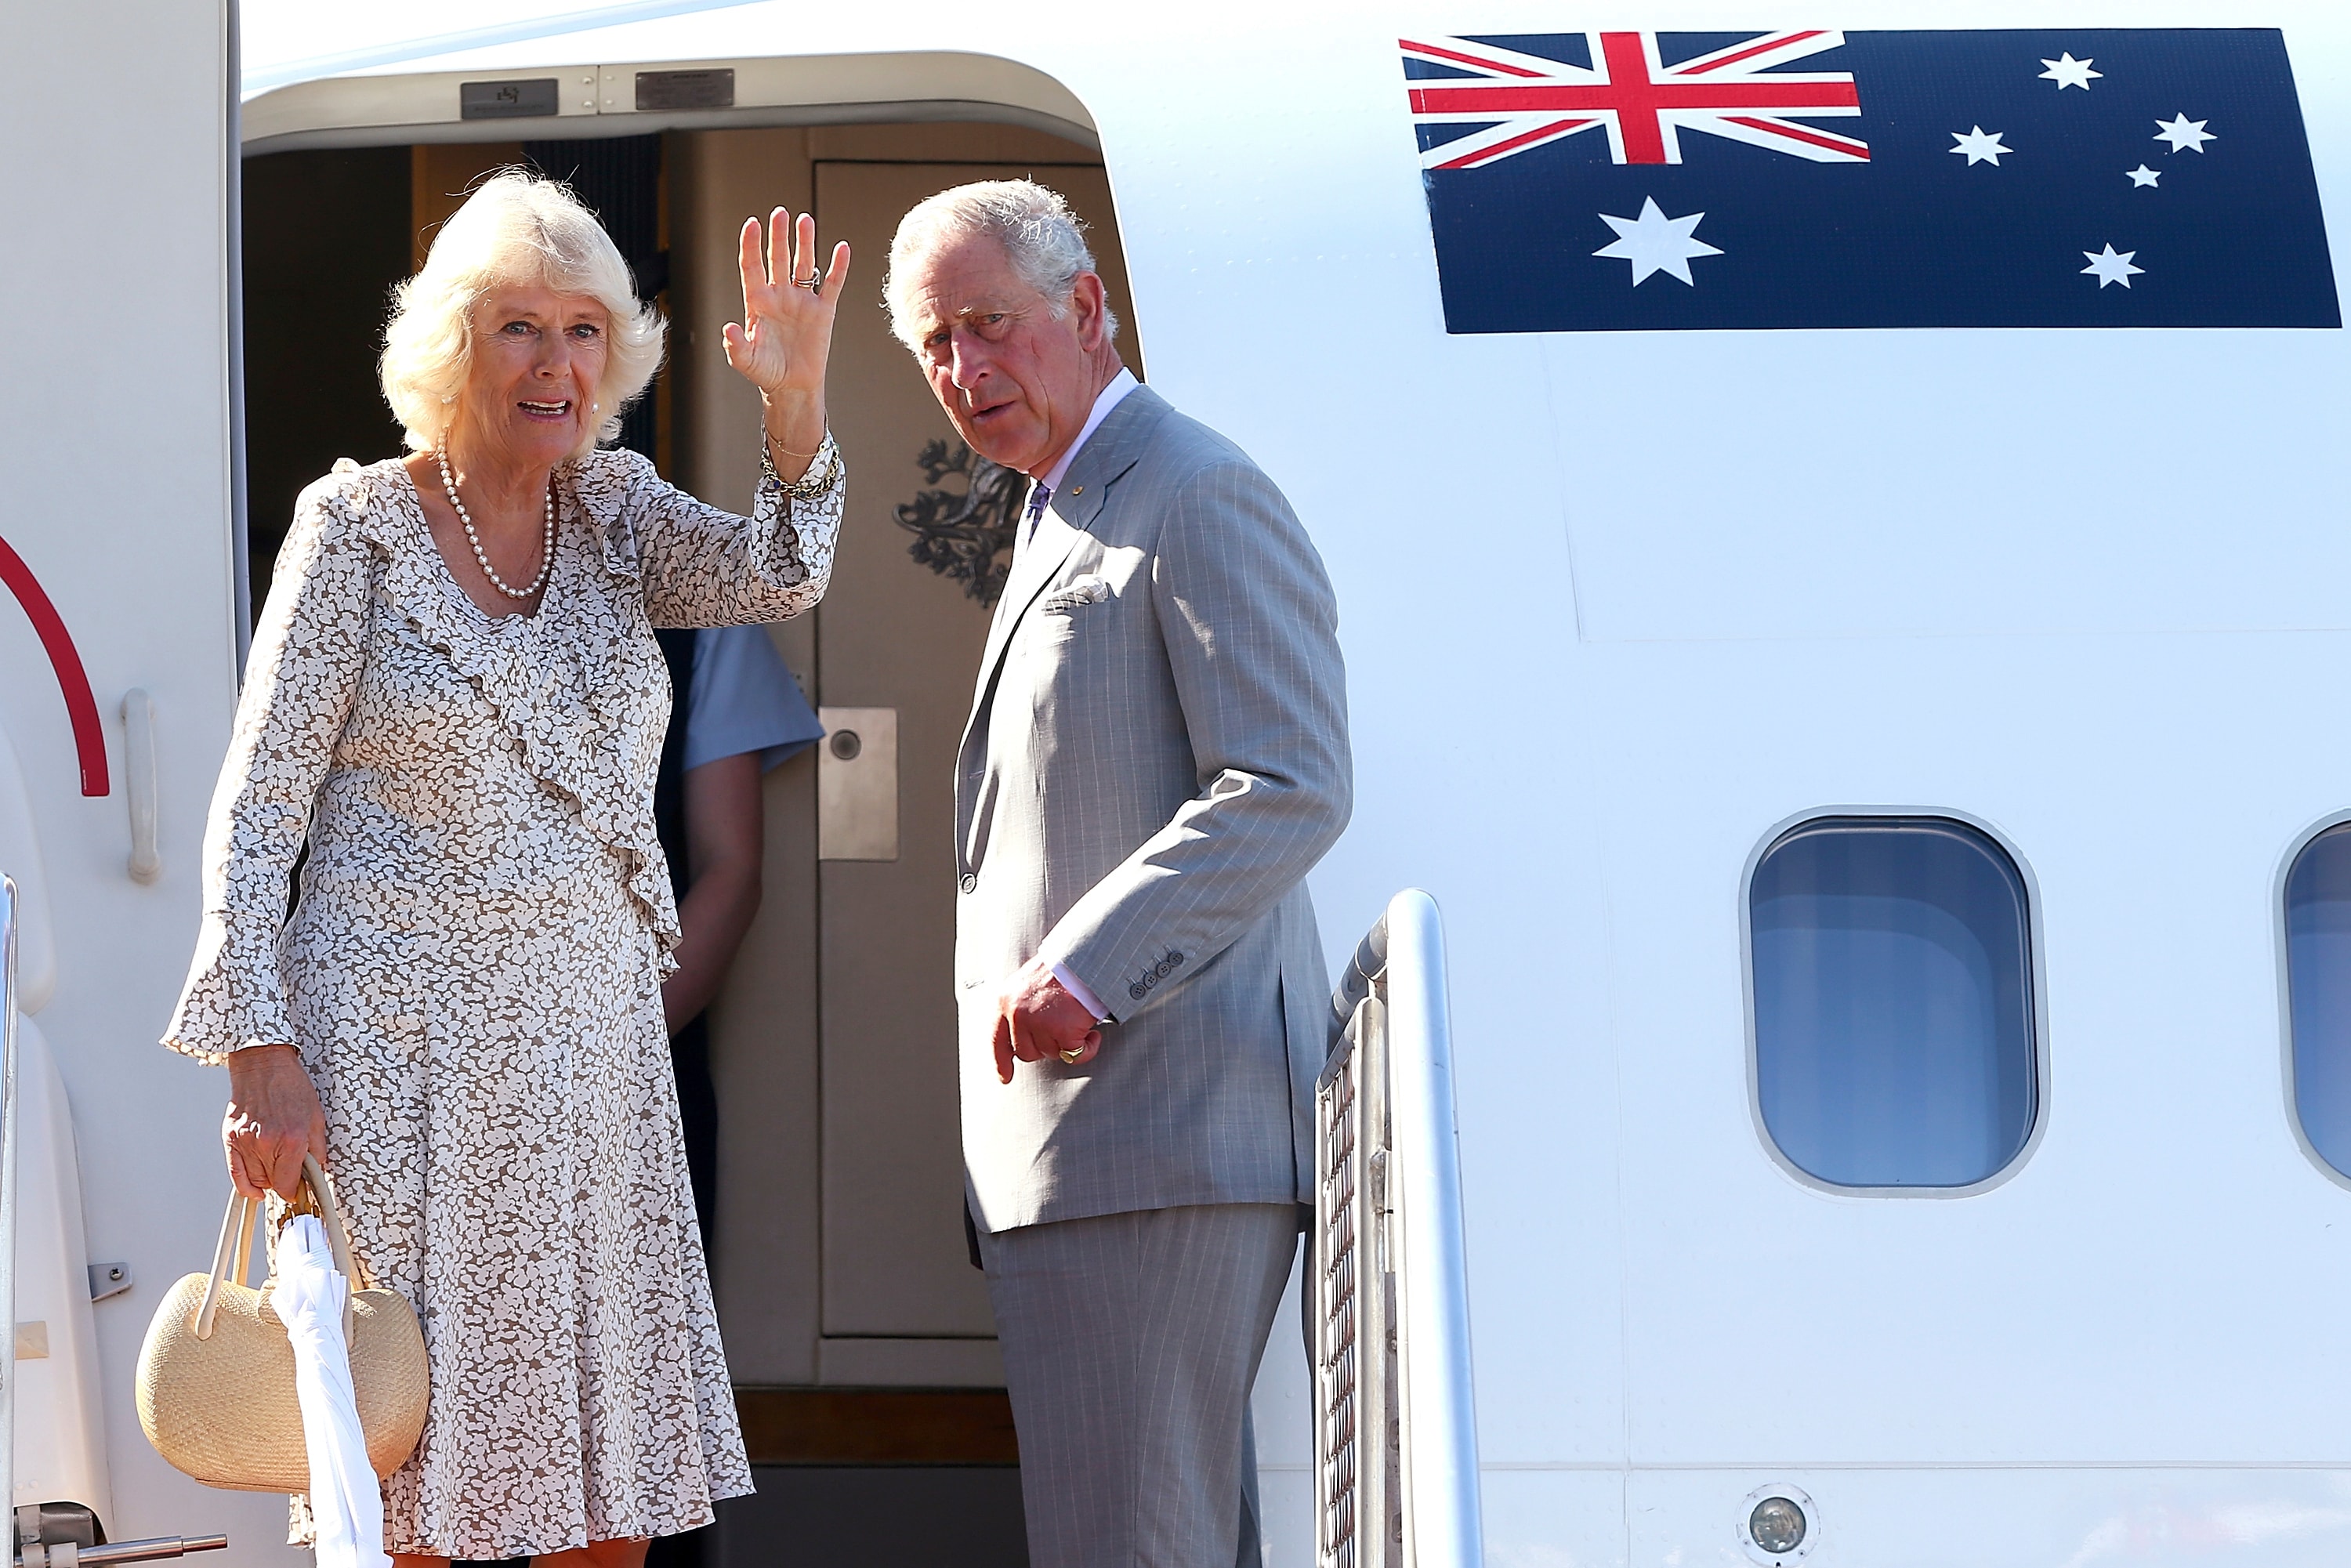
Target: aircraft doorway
(858,1333)
(896,636)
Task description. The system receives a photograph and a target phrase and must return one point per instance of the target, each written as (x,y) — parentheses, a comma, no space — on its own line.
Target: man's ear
(1092,307)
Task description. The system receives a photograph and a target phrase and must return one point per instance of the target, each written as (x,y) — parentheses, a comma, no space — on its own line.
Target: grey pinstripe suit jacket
(1156,756)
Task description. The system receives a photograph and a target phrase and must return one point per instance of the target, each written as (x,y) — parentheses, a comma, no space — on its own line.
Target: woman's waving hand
(786,335)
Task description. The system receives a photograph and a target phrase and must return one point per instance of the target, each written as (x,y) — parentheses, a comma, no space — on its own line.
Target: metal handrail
(1396,1435)
(65,1554)
(9,916)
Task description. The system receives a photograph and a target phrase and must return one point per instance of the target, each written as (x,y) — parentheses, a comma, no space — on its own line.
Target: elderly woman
(455,698)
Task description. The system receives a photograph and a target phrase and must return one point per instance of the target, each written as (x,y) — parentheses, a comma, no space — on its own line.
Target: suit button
(970,883)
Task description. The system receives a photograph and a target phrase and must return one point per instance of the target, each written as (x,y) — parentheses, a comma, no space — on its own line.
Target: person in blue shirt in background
(737,711)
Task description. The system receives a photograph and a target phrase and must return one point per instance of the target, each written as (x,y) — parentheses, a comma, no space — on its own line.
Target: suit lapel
(1037,562)
(1040,558)
(1114,448)
(1085,489)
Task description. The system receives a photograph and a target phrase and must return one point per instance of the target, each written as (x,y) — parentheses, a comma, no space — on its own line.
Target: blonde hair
(517,228)
(1045,241)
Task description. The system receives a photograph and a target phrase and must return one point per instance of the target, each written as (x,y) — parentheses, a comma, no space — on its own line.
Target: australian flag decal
(2114,177)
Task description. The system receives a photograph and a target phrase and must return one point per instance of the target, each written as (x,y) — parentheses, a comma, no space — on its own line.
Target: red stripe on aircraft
(90,737)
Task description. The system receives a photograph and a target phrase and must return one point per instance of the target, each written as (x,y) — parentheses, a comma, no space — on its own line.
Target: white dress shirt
(1048,482)
(1109,397)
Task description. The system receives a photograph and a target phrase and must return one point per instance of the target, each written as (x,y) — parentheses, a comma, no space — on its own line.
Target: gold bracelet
(809,486)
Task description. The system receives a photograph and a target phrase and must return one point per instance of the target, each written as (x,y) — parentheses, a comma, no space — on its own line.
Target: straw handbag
(217,1374)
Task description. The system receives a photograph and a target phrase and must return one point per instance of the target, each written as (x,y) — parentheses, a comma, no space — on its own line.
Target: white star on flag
(2112,266)
(2066,71)
(2183,133)
(1656,243)
(2142,175)
(1982,146)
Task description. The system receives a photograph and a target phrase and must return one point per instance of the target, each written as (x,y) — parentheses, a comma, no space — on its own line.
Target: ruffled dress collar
(560,680)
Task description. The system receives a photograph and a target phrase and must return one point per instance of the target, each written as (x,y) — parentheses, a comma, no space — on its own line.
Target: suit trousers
(1130,1343)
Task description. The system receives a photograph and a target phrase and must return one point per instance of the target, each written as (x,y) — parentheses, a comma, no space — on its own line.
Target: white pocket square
(1077,591)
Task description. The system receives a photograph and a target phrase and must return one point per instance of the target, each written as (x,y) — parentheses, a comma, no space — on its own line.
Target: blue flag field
(2116,177)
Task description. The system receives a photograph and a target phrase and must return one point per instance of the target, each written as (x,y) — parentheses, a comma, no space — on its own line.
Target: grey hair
(516,228)
(1045,240)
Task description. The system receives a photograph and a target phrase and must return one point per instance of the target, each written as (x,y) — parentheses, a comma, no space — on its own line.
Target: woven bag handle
(338,1240)
(243,1271)
(235,1248)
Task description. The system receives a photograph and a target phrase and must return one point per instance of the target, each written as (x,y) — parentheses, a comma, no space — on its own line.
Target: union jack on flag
(1523,101)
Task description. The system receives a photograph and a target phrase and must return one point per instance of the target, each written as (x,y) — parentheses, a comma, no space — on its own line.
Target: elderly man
(1156,758)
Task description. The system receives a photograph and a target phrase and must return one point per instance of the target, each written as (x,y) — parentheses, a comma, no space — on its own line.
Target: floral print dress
(473,976)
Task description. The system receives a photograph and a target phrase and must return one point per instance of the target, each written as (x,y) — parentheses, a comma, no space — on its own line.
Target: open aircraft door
(60,1429)
(118,641)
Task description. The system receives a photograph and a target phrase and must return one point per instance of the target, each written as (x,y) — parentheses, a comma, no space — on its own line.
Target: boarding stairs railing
(8,1193)
(42,1537)
(1395,1431)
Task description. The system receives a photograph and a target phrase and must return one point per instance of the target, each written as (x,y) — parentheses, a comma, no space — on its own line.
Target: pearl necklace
(547,541)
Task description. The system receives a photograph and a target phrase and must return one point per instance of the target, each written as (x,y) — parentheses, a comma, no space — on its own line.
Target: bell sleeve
(701,565)
(300,678)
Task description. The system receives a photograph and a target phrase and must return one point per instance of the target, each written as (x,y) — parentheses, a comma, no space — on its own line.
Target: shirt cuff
(1083,992)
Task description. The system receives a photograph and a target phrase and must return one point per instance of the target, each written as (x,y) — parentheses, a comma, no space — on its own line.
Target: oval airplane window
(1895,1040)
(2318,987)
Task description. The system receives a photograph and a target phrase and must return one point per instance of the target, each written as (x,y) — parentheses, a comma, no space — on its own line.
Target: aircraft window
(2318,985)
(1894,1039)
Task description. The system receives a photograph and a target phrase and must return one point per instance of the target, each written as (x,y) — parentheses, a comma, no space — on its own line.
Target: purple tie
(1038,496)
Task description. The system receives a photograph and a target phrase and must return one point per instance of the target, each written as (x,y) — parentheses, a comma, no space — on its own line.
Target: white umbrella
(346,1501)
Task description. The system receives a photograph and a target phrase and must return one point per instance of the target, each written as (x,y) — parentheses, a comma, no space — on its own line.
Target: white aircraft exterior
(1620,610)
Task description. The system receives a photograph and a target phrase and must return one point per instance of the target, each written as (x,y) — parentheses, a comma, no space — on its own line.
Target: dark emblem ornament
(966,535)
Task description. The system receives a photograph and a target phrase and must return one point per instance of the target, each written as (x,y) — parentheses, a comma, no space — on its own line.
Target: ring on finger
(1073,1055)
(813,282)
